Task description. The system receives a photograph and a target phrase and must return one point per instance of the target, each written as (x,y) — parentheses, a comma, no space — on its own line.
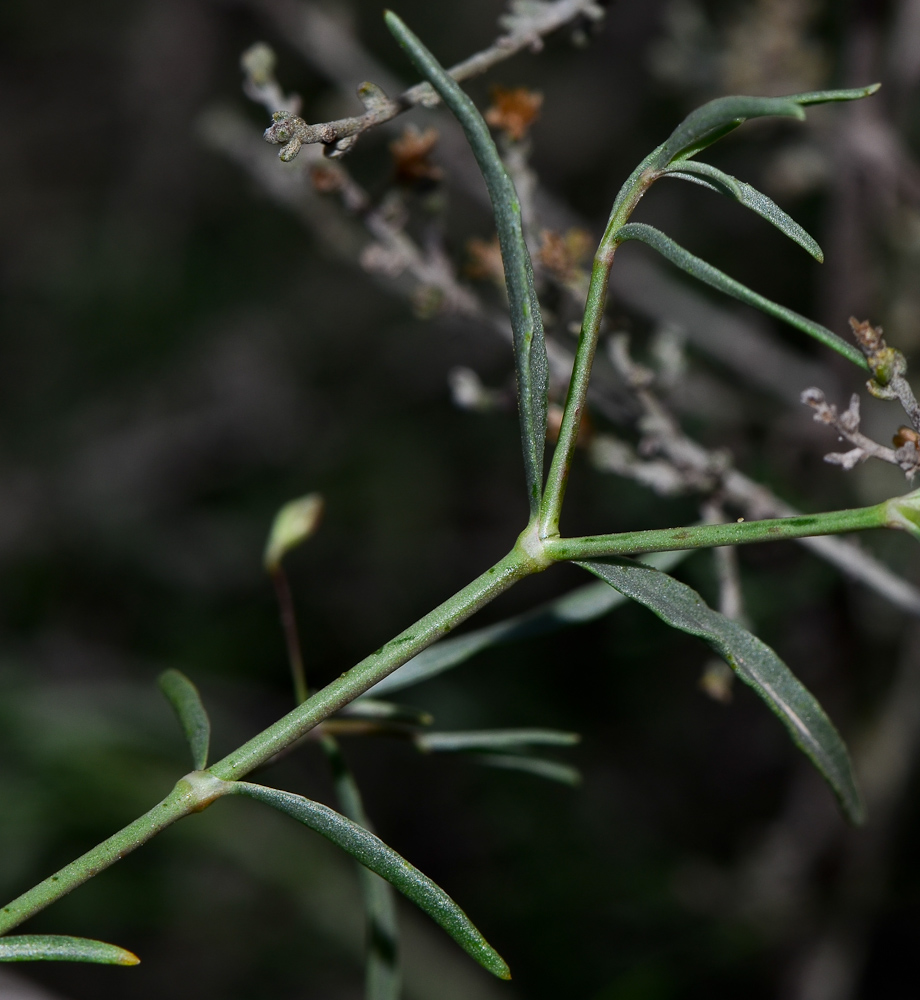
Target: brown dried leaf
(411,156)
(562,255)
(514,110)
(327,178)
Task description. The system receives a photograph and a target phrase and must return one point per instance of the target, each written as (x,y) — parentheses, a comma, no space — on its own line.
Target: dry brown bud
(868,337)
(514,111)
(562,255)
(326,178)
(906,435)
(411,152)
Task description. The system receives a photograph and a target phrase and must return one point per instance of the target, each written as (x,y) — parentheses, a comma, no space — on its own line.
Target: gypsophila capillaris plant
(630,566)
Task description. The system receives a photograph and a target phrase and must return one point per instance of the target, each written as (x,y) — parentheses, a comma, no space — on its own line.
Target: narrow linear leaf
(715,278)
(526,322)
(60,948)
(551,770)
(186,702)
(494,740)
(708,124)
(753,661)
(827,96)
(385,862)
(750,197)
(386,711)
(383,979)
(580,605)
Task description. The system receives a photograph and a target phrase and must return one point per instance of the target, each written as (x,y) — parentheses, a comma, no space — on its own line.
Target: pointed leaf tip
(717,279)
(829,96)
(753,661)
(376,856)
(722,183)
(61,948)
(712,121)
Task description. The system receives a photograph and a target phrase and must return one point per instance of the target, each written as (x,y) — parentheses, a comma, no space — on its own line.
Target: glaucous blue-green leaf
(60,948)
(580,605)
(493,740)
(708,124)
(715,278)
(716,180)
(751,659)
(371,852)
(829,96)
(526,321)
(186,702)
(551,770)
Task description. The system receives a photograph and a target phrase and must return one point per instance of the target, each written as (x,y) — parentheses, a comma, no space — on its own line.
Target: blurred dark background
(185,349)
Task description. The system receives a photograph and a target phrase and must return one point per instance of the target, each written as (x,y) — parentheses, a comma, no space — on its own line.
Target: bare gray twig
(888,381)
(695,468)
(259,83)
(526,25)
(847,426)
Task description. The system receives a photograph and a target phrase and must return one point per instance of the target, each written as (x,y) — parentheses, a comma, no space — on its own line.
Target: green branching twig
(538,546)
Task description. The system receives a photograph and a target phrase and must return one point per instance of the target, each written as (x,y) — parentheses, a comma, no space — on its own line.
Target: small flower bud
(293,524)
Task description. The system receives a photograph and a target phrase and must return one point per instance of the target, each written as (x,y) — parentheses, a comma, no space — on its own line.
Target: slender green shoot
(741,532)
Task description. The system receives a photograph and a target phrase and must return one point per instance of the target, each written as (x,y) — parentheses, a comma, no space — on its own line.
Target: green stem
(192,793)
(291,634)
(197,790)
(558,476)
(707,535)
(364,675)
(627,199)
